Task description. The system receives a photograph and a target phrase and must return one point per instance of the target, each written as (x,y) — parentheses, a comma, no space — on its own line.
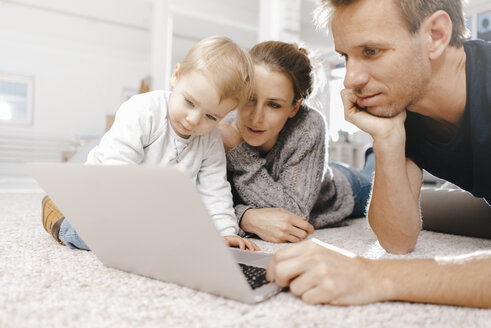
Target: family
(238,125)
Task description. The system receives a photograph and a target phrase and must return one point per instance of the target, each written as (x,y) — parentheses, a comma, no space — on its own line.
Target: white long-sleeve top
(142,134)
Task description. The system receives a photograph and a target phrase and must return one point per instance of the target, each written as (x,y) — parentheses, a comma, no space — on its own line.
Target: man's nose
(356,75)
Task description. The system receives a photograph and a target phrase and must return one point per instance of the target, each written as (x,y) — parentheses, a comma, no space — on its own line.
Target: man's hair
(414,12)
(289,59)
(226,64)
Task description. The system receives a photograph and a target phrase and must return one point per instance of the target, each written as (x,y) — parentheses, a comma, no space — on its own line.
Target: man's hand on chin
(377,126)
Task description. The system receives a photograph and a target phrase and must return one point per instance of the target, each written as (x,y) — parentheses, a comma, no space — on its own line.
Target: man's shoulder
(478,50)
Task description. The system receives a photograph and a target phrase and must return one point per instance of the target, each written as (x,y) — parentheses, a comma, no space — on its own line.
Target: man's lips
(368,100)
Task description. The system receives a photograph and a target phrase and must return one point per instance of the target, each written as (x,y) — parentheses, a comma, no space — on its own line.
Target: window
(484,26)
(468,24)
(15,99)
(337,123)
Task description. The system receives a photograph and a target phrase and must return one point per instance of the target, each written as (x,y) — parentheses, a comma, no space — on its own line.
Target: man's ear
(175,75)
(438,27)
(296,107)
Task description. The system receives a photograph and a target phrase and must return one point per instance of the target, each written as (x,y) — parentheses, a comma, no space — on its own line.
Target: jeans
(361,182)
(70,237)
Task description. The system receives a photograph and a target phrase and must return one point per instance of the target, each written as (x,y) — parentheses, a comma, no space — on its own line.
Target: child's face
(194,106)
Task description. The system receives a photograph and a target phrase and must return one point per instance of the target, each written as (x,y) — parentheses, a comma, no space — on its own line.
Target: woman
(276,154)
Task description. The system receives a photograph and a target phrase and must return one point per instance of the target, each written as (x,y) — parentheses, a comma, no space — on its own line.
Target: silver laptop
(151,221)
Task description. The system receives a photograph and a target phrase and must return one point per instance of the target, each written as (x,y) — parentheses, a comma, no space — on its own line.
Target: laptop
(151,221)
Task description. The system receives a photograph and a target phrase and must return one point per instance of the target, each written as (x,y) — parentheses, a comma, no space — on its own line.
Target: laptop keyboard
(256,276)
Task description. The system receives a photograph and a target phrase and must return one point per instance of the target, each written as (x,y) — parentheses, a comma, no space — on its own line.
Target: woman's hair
(414,12)
(289,59)
(225,63)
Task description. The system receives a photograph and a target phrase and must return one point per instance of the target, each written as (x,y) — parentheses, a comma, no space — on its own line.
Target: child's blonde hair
(226,64)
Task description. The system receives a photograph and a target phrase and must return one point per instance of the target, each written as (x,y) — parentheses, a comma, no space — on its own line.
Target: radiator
(350,153)
(15,151)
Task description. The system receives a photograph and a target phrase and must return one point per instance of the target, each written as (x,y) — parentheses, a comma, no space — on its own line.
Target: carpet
(43,284)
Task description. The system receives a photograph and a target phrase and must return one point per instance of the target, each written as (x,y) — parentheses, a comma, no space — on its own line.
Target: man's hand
(377,127)
(321,275)
(393,214)
(242,243)
(230,135)
(276,225)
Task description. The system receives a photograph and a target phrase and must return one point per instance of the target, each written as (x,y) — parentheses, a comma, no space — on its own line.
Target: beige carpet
(43,284)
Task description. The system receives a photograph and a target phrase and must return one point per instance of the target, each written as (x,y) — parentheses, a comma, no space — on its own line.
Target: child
(179,129)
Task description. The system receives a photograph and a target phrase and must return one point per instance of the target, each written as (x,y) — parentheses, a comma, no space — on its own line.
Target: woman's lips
(368,101)
(255,132)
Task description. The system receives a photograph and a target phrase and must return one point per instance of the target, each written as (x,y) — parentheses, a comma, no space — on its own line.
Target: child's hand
(242,243)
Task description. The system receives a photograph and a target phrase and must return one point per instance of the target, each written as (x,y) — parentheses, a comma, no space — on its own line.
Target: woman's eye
(252,101)
(211,117)
(274,105)
(189,102)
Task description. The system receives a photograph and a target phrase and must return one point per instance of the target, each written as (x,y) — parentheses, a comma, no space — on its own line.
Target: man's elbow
(395,241)
(398,247)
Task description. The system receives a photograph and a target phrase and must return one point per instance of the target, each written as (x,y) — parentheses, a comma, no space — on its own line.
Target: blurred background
(66,66)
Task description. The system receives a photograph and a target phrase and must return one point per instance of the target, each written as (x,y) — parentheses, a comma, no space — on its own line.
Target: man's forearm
(394,212)
(461,281)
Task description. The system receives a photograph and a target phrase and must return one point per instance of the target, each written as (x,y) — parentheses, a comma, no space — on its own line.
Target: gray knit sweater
(293,175)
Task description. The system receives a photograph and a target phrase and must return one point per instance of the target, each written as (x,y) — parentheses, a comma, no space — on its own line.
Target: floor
(19,184)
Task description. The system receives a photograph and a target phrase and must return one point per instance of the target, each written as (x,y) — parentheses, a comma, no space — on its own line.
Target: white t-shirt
(142,134)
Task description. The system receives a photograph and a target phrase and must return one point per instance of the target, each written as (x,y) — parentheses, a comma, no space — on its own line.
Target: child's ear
(296,107)
(175,75)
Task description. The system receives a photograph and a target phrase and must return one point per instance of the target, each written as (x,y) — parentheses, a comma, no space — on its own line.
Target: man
(425,98)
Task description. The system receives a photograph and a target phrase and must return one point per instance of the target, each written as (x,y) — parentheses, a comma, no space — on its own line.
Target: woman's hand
(276,225)
(230,135)
(242,243)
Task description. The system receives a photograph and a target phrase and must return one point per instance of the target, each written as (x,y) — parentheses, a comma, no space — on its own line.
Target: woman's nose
(257,115)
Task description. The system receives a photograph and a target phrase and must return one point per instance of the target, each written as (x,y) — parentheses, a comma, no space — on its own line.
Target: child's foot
(52,218)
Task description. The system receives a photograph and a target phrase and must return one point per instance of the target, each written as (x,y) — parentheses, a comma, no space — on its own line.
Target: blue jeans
(361,182)
(70,237)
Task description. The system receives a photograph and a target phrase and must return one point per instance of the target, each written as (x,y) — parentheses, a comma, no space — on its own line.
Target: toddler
(179,129)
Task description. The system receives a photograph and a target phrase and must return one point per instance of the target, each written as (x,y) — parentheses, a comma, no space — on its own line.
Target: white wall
(81,54)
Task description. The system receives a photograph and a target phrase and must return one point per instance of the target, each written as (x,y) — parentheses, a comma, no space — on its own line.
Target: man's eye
(274,105)
(252,100)
(211,117)
(367,52)
(189,102)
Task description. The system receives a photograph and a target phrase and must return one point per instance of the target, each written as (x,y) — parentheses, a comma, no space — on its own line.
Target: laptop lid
(146,220)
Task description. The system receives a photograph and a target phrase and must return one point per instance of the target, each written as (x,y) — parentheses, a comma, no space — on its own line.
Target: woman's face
(262,118)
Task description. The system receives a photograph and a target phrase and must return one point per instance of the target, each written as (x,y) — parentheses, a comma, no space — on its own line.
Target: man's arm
(394,213)
(324,274)
(394,207)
